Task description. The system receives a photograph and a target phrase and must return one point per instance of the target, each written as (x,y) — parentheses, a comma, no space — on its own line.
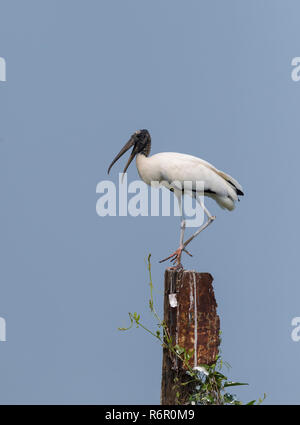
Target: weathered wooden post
(190,313)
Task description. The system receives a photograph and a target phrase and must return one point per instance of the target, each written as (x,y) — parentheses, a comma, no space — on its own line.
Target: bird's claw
(173,257)
(178,267)
(176,257)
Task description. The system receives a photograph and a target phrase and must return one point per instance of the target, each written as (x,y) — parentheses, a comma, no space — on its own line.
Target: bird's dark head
(141,143)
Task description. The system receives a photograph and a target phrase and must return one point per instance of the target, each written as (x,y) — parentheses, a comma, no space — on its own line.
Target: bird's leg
(182,229)
(176,256)
(210,217)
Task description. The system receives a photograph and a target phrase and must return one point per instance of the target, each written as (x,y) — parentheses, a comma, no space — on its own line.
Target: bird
(172,170)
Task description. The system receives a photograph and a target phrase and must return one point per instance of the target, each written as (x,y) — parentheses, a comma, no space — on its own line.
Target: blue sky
(208,78)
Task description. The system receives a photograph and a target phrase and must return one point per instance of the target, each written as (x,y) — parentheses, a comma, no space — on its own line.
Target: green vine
(203,385)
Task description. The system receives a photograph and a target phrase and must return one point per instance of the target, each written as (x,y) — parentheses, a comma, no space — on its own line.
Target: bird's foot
(176,258)
(179,267)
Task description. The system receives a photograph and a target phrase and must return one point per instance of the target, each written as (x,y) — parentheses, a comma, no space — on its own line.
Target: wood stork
(172,170)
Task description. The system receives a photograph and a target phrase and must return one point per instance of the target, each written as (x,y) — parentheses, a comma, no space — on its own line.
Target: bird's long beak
(128,145)
(132,155)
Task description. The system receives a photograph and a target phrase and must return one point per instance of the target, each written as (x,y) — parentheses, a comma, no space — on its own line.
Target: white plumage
(171,166)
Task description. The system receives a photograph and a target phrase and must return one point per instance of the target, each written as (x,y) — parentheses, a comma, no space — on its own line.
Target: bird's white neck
(143,165)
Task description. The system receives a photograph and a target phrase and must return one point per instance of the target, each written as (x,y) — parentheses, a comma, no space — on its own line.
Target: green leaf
(179,349)
(220,375)
(130,326)
(234,384)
